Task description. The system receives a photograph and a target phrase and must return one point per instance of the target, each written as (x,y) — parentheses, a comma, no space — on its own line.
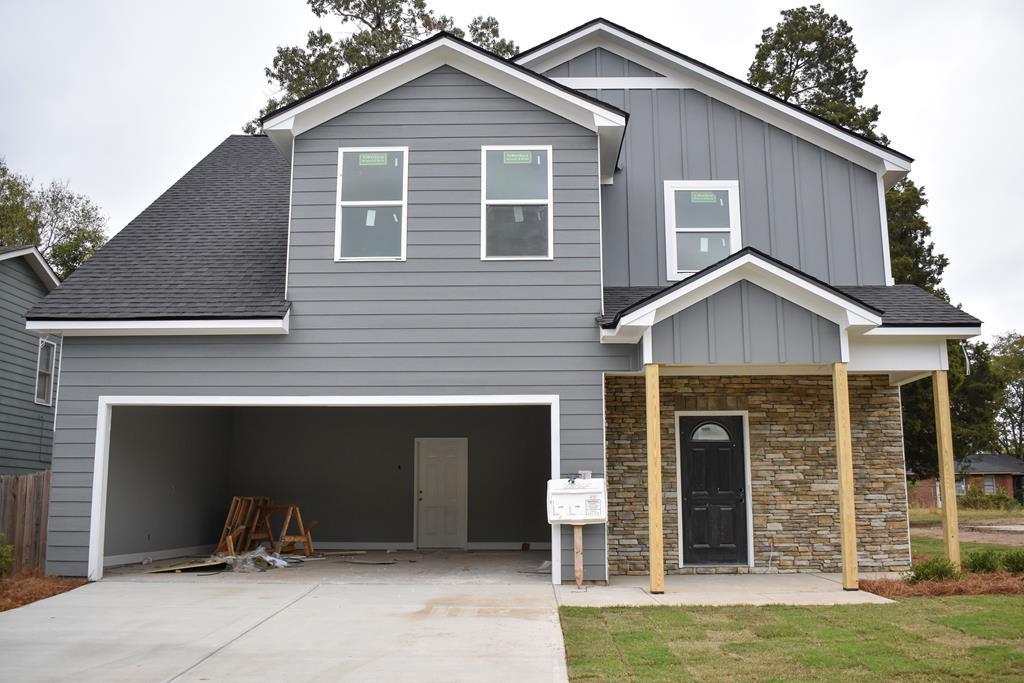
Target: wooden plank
(577,553)
(947,469)
(655,509)
(844,466)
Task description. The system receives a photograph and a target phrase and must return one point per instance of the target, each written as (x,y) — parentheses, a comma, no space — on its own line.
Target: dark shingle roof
(212,246)
(900,305)
(7,250)
(991,463)
(910,306)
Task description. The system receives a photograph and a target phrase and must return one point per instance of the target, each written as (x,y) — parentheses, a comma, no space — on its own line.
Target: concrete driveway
(240,627)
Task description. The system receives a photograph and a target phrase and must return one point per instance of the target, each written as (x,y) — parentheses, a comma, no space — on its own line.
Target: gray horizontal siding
(26,428)
(442,322)
(798,202)
(745,324)
(599,62)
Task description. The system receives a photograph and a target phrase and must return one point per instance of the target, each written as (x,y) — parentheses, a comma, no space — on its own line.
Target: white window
(372,194)
(990,484)
(702,224)
(517,215)
(45,363)
(961,487)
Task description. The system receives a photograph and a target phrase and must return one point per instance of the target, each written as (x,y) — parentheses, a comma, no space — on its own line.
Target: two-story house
(29,363)
(445,279)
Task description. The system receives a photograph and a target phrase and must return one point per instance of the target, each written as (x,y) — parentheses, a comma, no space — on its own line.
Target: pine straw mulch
(998,583)
(22,589)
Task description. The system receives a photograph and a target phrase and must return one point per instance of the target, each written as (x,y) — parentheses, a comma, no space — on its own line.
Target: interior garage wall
(167,481)
(352,469)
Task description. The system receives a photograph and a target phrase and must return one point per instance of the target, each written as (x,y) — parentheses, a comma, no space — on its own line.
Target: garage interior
(173,470)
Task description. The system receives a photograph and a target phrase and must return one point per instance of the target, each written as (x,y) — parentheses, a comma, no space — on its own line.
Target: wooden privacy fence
(24,501)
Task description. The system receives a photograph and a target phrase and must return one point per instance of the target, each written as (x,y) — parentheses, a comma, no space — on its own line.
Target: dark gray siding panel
(26,428)
(745,324)
(442,322)
(798,202)
(599,62)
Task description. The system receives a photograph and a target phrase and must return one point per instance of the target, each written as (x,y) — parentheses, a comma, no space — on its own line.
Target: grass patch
(916,639)
(930,516)
(16,591)
(922,547)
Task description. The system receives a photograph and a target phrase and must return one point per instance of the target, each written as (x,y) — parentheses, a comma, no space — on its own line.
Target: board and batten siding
(26,428)
(441,322)
(803,205)
(601,63)
(745,323)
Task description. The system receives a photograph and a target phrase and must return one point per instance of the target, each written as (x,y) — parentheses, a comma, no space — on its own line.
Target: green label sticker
(373,159)
(703,198)
(517,157)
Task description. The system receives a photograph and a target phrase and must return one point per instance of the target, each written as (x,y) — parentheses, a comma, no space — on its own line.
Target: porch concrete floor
(720,589)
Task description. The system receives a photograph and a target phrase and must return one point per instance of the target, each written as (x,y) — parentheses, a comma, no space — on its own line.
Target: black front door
(714,503)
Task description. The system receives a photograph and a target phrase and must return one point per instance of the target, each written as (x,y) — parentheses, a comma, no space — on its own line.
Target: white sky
(121,97)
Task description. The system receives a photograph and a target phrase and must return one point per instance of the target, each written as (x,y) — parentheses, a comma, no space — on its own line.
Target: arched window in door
(710,431)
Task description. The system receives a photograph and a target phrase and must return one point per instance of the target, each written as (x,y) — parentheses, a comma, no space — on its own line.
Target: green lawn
(980,637)
(921,546)
(921,516)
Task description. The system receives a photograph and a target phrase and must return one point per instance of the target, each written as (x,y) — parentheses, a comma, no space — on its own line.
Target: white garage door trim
(97,520)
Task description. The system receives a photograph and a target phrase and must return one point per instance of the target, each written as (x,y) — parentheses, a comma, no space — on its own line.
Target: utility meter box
(577,501)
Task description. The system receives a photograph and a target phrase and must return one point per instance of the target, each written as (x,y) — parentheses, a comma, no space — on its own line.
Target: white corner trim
(104,411)
(883,218)
(131,328)
(37,263)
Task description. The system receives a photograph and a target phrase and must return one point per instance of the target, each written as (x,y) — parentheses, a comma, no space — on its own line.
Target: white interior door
(442,483)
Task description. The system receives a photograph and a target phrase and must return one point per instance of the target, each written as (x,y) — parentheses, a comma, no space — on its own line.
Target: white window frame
(735,235)
(49,372)
(484,202)
(339,204)
(986,480)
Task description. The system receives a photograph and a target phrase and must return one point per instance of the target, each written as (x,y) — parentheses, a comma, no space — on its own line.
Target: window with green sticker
(702,224)
(371,204)
(516,203)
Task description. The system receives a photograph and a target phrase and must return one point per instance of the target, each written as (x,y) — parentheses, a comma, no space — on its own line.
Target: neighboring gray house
(29,363)
(444,279)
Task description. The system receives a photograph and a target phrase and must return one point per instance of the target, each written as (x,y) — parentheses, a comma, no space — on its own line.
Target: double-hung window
(45,362)
(989,482)
(702,224)
(516,203)
(372,194)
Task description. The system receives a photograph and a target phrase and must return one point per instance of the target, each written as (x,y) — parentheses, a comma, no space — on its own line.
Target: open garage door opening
(413,478)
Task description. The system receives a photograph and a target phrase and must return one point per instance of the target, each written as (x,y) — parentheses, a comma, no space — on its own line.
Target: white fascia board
(768,276)
(149,328)
(38,264)
(284,127)
(808,127)
(943,332)
(895,355)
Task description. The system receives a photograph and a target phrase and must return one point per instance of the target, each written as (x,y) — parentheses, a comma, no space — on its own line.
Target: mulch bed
(999,583)
(16,591)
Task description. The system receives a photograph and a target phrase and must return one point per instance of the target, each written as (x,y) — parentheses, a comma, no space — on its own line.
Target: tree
(67,227)
(808,59)
(383,27)
(1009,364)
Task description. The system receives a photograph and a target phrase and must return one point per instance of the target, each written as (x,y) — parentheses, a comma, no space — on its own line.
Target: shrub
(982,562)
(1013,561)
(6,555)
(975,499)
(932,569)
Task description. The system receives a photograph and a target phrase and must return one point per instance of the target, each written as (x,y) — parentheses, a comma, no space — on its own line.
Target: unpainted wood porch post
(947,471)
(655,509)
(844,465)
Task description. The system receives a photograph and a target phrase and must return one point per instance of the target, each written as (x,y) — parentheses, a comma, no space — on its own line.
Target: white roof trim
(599,34)
(756,270)
(943,332)
(147,328)
(609,125)
(38,264)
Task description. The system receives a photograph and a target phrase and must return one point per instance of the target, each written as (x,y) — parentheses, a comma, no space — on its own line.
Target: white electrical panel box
(577,501)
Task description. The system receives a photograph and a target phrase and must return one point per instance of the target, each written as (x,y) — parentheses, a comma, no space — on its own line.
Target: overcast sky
(120,98)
